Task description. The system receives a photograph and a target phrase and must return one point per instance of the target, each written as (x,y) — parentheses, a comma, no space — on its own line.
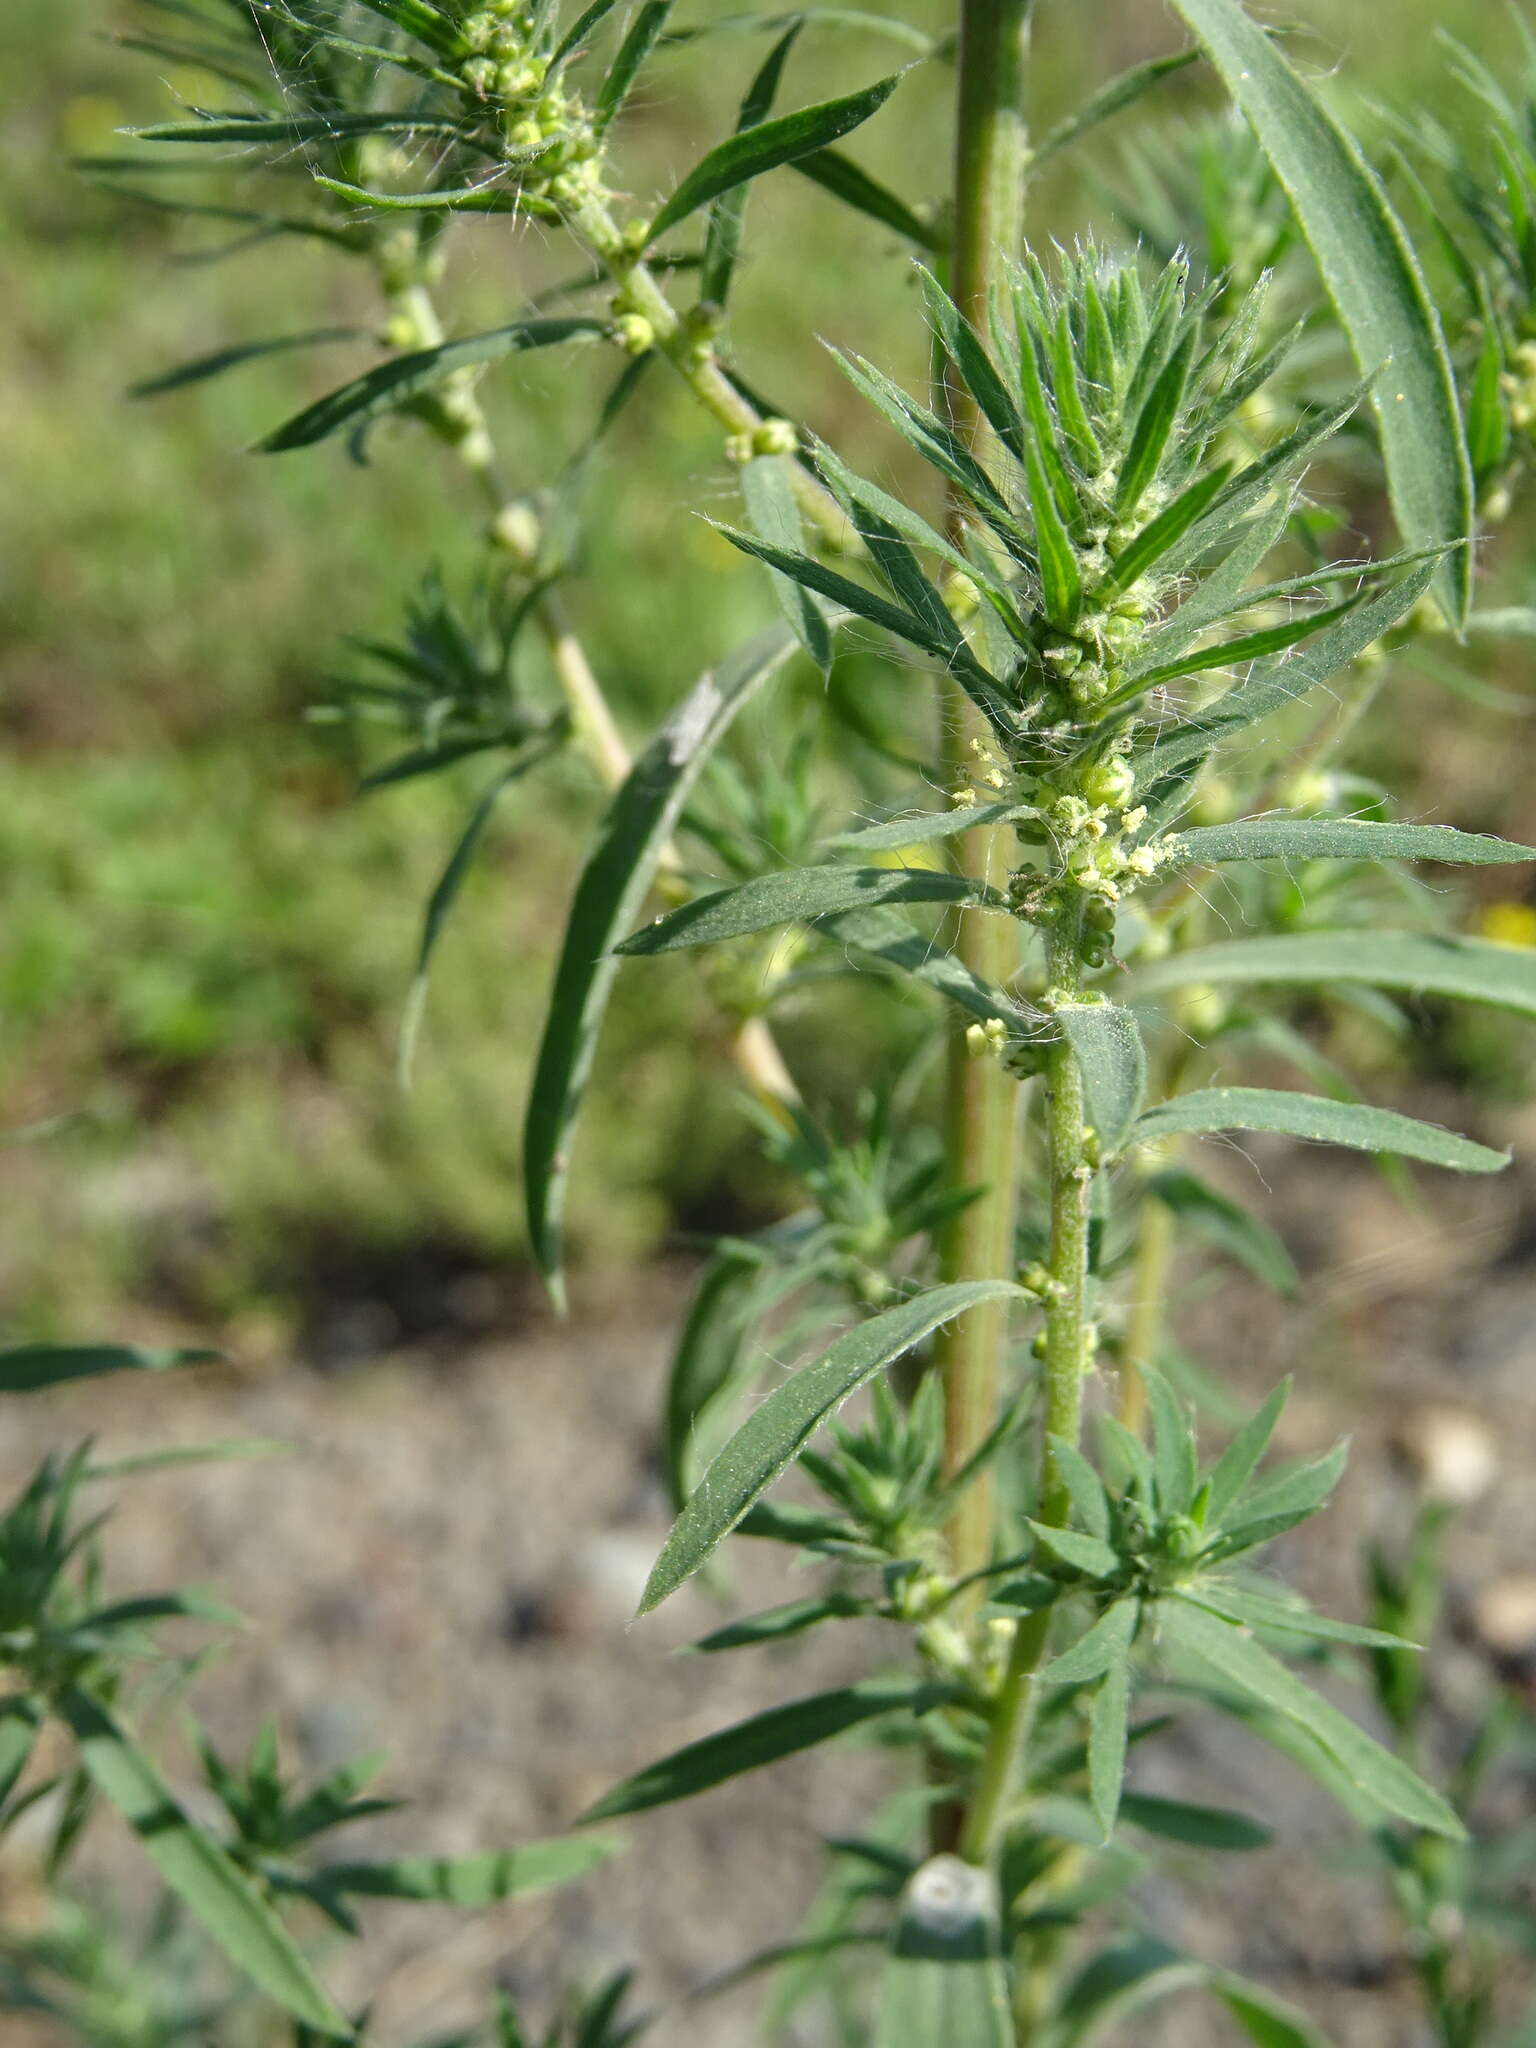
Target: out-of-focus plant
(1151,637)
(245,1863)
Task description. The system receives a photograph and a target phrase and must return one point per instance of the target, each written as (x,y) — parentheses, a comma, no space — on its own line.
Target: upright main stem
(990,157)
(1068,1342)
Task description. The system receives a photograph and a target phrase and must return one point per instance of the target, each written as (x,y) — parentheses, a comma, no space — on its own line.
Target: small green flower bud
(636,234)
(634,334)
(738,448)
(517,81)
(401,332)
(479,74)
(1111,782)
(477,31)
(525,135)
(517,531)
(775,437)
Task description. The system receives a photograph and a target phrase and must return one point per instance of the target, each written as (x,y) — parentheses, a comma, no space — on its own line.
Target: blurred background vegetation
(208,935)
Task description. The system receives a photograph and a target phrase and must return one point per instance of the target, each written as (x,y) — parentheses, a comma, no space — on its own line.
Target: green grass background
(207,937)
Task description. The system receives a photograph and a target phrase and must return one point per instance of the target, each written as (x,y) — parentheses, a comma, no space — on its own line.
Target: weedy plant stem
(1069,1340)
(982,1103)
(754,1048)
(691,351)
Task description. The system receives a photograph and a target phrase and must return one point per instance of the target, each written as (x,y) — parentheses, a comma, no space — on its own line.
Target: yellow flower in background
(1509,924)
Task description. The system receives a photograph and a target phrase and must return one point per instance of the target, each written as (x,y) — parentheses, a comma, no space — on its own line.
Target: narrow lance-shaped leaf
(723,240)
(1239,1461)
(202,368)
(1375,1772)
(1108,1736)
(395,383)
(1421,963)
(848,181)
(1107,1644)
(919,827)
(775,517)
(1226,1225)
(613,886)
(639,41)
(1337,839)
(1267,2020)
(1372,276)
(195,1867)
(886,936)
(768,145)
(1106,1042)
(800,896)
(473,1881)
(289,129)
(762,1740)
(24,1368)
(446,894)
(1287,678)
(776,1430)
(1354,1124)
(1111,99)
(1203,1827)
(1256,1610)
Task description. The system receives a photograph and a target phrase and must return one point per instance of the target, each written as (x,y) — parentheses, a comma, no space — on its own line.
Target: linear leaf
(1111,99)
(1282,681)
(1375,1772)
(1118,1981)
(1338,839)
(201,368)
(1423,963)
(640,39)
(195,1867)
(775,517)
(776,1430)
(1227,1225)
(885,935)
(608,898)
(1108,1738)
(1263,2017)
(1087,1554)
(764,1739)
(1203,1827)
(1256,1610)
(918,827)
(1106,1645)
(848,181)
(1106,1041)
(800,896)
(777,1623)
(769,144)
(21,1718)
(1372,276)
(24,1368)
(472,1881)
(1315,1117)
(708,1350)
(722,243)
(395,383)
(1239,1461)
(446,893)
(289,129)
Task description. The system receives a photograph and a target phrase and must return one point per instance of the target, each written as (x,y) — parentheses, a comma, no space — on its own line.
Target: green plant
(1102,517)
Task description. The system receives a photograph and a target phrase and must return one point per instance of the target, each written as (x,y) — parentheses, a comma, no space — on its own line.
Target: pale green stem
(692,354)
(1068,1343)
(981,1119)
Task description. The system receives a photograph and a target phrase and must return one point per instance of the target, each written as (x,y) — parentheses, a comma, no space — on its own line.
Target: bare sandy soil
(444,1566)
